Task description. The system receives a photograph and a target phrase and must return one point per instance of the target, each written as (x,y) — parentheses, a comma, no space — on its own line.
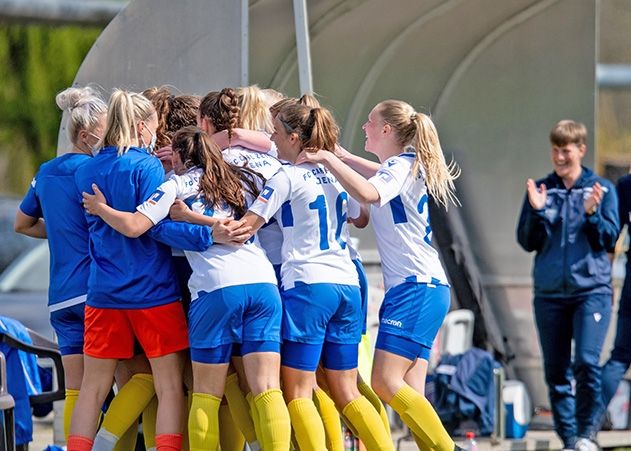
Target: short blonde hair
(85,108)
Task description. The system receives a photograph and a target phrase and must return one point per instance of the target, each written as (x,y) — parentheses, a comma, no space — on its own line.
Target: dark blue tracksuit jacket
(571,247)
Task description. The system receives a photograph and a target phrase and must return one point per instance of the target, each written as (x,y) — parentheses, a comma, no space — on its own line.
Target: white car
(24,289)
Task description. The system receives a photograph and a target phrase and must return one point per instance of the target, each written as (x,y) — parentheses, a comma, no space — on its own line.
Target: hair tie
(413,117)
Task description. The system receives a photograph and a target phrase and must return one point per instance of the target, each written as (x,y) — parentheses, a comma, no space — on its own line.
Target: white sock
(104,441)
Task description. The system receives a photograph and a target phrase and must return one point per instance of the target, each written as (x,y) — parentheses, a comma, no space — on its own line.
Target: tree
(36,62)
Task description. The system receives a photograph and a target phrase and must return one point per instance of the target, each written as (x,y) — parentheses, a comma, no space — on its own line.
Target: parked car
(13,244)
(24,289)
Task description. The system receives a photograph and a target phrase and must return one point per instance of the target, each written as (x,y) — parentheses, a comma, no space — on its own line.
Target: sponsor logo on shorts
(392,322)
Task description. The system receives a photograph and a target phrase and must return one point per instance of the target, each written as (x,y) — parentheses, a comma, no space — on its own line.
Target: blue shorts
(363,291)
(318,313)
(68,324)
(413,311)
(236,314)
(278,277)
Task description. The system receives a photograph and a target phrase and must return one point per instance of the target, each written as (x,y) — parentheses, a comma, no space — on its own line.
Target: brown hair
(309,100)
(174,112)
(417,131)
(222,109)
(183,113)
(160,97)
(315,127)
(568,132)
(275,109)
(221,181)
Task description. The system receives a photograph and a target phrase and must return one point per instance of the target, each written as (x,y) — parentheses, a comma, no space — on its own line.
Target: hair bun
(70,98)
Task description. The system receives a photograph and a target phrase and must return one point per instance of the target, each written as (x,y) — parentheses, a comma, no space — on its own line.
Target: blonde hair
(85,108)
(568,132)
(271,96)
(255,114)
(416,132)
(126,110)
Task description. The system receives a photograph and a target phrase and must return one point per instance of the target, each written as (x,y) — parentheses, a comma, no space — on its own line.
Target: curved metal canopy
(496,75)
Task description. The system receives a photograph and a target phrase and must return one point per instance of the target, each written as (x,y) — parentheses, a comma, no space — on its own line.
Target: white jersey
(215,267)
(311,208)
(401,223)
(354,211)
(270,234)
(175,252)
(273,150)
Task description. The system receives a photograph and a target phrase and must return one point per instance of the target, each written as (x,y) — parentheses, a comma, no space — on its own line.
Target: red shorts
(109,333)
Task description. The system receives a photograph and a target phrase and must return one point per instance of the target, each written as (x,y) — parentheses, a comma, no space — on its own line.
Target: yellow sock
(307,425)
(71,400)
(366,422)
(149,417)
(372,397)
(128,441)
(274,422)
(419,415)
(203,422)
(185,415)
(330,420)
(128,404)
(255,418)
(239,408)
(418,441)
(230,437)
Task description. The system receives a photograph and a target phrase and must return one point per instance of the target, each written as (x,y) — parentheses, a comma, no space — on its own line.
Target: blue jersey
(126,272)
(53,195)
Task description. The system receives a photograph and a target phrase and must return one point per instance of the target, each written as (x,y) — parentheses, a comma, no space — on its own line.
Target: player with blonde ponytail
(412,168)
(132,293)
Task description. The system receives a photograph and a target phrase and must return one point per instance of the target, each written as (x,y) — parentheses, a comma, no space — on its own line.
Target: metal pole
(613,76)
(302,46)
(245,46)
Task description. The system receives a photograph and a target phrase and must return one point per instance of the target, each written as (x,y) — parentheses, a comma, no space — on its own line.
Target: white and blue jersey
(401,223)
(270,235)
(217,266)
(126,273)
(311,208)
(53,195)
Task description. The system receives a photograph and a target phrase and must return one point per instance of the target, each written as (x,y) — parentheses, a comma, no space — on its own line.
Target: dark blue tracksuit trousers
(618,364)
(585,320)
